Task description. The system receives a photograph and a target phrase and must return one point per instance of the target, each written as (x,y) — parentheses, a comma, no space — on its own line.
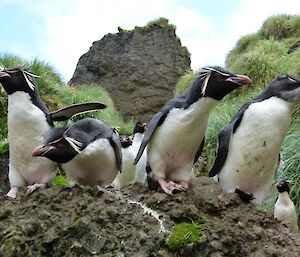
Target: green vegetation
(59,180)
(4,147)
(56,94)
(187,232)
(262,56)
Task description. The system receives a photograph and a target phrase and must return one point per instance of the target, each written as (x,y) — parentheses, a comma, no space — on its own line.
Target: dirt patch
(88,222)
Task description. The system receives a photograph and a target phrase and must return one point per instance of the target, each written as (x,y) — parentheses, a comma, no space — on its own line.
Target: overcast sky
(60,31)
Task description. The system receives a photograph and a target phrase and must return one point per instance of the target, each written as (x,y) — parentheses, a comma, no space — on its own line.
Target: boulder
(139,68)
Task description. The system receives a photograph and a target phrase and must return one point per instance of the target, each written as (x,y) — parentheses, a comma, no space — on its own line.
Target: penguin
(28,120)
(138,134)
(284,208)
(248,152)
(89,152)
(174,133)
(128,169)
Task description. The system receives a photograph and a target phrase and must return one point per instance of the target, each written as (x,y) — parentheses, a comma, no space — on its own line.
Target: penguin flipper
(199,151)
(69,111)
(116,145)
(153,124)
(222,150)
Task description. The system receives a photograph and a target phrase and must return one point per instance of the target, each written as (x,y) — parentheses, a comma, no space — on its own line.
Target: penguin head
(139,127)
(17,79)
(218,82)
(58,147)
(125,140)
(285,87)
(282,186)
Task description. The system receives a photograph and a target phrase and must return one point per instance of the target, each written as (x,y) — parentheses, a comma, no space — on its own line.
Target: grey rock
(139,68)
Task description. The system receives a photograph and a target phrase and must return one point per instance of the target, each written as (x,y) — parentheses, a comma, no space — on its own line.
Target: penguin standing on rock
(248,151)
(128,169)
(284,208)
(28,121)
(89,152)
(176,132)
(138,135)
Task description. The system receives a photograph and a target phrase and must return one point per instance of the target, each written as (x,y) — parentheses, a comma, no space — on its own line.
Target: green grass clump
(185,233)
(281,26)
(60,180)
(56,94)
(4,147)
(183,82)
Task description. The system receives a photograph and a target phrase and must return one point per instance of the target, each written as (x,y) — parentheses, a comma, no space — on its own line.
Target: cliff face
(139,68)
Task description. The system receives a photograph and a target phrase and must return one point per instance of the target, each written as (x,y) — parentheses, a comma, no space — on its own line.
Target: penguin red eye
(219,77)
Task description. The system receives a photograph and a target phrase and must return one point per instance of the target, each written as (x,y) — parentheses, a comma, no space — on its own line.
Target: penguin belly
(284,210)
(26,126)
(253,152)
(95,165)
(127,175)
(172,148)
(140,173)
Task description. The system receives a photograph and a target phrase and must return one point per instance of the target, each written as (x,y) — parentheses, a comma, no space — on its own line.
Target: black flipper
(199,151)
(223,144)
(68,112)
(153,124)
(116,144)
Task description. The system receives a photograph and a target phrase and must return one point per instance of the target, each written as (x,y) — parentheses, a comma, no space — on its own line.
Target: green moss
(162,22)
(60,180)
(187,232)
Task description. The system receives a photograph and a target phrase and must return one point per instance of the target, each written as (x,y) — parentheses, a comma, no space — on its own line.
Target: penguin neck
(202,107)
(284,198)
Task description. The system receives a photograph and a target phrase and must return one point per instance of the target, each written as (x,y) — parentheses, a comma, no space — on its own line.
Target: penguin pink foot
(13,192)
(170,186)
(34,187)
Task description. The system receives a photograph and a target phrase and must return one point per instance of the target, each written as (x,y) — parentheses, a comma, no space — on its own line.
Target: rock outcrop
(139,68)
(137,222)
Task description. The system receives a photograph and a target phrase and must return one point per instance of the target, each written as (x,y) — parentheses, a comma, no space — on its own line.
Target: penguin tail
(152,182)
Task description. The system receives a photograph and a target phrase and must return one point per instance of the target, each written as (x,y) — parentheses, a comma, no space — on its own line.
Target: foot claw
(34,187)
(170,186)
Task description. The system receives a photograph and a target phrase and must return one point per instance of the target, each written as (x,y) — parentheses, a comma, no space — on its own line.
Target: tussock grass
(56,94)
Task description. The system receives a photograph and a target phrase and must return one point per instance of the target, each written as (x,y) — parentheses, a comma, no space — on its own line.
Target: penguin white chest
(253,152)
(26,126)
(128,168)
(284,210)
(175,142)
(95,165)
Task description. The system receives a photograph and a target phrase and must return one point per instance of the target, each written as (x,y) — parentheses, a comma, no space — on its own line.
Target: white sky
(59,32)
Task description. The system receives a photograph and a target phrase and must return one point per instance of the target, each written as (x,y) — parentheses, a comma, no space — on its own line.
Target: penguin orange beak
(4,74)
(240,80)
(41,150)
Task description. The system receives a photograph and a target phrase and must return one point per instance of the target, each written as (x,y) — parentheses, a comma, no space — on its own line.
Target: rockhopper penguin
(138,135)
(284,208)
(176,132)
(28,121)
(127,175)
(248,150)
(89,152)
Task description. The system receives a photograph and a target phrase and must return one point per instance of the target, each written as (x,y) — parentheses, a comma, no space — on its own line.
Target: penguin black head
(285,87)
(218,82)
(125,140)
(17,79)
(282,186)
(139,127)
(58,147)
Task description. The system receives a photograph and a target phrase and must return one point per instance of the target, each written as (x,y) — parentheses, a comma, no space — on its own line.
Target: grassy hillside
(56,94)
(262,56)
